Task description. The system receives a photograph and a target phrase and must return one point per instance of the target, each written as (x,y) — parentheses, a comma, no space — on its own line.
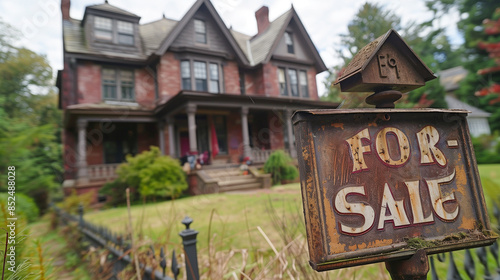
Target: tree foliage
(430,44)
(30,123)
(152,174)
(472,15)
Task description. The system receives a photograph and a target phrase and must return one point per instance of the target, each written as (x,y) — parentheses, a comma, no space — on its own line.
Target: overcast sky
(39,21)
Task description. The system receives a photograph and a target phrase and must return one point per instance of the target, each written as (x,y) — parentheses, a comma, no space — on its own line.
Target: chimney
(262,17)
(65,4)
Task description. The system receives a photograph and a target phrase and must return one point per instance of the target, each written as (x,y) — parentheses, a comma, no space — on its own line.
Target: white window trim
(114,32)
(207,65)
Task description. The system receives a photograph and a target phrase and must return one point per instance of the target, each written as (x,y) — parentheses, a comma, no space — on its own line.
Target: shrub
(280,166)
(486,149)
(116,192)
(72,202)
(153,174)
(25,206)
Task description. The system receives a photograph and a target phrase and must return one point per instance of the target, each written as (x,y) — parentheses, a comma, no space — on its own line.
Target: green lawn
(229,222)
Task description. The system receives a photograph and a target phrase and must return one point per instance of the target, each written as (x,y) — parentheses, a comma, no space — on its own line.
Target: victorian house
(192,87)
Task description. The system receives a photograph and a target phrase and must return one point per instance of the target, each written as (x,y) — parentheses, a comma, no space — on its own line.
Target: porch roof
(107,112)
(221,100)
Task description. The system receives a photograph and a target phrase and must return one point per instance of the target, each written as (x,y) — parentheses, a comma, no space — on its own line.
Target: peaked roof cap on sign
(368,52)
(169,39)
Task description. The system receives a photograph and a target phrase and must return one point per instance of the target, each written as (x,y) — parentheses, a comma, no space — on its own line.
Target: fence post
(189,241)
(80,215)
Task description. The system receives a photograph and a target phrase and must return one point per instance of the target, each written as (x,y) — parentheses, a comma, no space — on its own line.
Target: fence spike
(494,252)
(433,270)
(175,266)
(453,273)
(163,261)
(153,251)
(441,257)
(469,265)
(482,254)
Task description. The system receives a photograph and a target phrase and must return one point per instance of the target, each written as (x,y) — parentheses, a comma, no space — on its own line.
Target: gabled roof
(263,45)
(475,112)
(451,78)
(153,33)
(157,36)
(106,7)
(169,39)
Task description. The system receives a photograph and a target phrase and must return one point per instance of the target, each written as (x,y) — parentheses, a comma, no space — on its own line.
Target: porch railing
(102,171)
(261,156)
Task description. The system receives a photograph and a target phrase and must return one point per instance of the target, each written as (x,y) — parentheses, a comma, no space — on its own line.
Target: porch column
(191,113)
(171,137)
(289,128)
(244,129)
(161,132)
(82,150)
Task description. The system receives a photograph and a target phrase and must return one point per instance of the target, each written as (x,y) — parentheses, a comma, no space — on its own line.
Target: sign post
(388,185)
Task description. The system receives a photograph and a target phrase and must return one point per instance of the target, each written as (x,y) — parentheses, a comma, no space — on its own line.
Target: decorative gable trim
(167,42)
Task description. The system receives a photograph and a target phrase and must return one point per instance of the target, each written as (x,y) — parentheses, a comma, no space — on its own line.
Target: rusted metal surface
(415,268)
(380,184)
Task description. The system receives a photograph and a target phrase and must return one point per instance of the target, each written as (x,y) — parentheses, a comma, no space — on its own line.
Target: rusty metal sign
(380,184)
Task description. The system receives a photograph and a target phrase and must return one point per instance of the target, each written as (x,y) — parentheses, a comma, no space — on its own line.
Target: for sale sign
(379,184)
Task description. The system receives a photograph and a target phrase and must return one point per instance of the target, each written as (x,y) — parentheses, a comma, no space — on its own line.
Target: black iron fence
(472,268)
(120,248)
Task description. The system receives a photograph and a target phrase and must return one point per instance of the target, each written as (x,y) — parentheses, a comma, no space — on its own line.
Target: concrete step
(240,187)
(231,178)
(223,173)
(238,182)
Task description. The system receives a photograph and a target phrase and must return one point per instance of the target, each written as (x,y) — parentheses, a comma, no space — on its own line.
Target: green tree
(472,15)
(30,123)
(372,21)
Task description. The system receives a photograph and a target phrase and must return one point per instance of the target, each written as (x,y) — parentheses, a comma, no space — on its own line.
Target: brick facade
(89,83)
(169,75)
(232,78)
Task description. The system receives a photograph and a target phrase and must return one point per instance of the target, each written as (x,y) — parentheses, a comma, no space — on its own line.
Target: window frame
(302,90)
(192,84)
(198,33)
(290,46)
(115,31)
(120,82)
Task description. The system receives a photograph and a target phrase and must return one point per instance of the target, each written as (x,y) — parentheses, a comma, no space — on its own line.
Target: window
(206,76)
(118,84)
(289,42)
(303,83)
(293,82)
(282,81)
(115,31)
(125,33)
(119,143)
(186,74)
(214,78)
(200,31)
(294,85)
(103,28)
(200,75)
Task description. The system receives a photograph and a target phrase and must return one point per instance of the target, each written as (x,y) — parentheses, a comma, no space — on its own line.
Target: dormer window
(103,28)
(289,42)
(125,32)
(200,31)
(116,31)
